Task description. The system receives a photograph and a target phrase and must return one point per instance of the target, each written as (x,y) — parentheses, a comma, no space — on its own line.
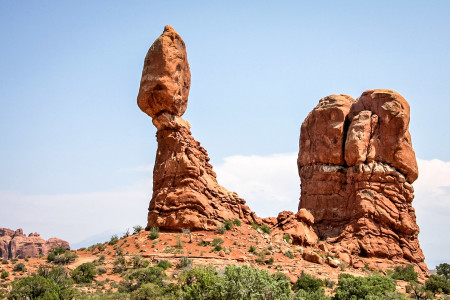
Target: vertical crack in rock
(356,179)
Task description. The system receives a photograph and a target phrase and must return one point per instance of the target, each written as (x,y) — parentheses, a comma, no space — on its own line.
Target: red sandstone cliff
(15,244)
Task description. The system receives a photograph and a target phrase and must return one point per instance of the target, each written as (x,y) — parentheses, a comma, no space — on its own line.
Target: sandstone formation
(15,244)
(356,165)
(185,190)
(298,226)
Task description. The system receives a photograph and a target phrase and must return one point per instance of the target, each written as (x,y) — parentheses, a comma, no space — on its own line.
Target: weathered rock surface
(356,165)
(185,190)
(298,226)
(14,244)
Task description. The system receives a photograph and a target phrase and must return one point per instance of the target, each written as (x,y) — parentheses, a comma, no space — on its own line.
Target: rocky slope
(15,244)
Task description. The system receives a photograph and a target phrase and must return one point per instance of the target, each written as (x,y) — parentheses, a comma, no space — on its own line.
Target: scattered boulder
(312,257)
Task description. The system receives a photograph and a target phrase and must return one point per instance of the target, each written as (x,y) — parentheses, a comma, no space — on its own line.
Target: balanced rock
(15,244)
(356,165)
(185,189)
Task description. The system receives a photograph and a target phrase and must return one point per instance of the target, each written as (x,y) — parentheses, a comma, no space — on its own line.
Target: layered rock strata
(357,166)
(15,244)
(186,193)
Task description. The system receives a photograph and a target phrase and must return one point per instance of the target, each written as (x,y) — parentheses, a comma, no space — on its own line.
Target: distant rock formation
(15,244)
(356,165)
(185,190)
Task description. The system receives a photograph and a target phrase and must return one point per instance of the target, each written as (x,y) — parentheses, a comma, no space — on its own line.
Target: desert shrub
(287,238)
(61,256)
(261,256)
(228,224)
(217,241)
(252,249)
(308,283)
(139,277)
(217,248)
(99,246)
(4,274)
(418,291)
(114,240)
(438,284)
(444,270)
(405,273)
(20,267)
(4,261)
(154,233)
(35,287)
(249,283)
(118,250)
(120,264)
(164,264)
(315,295)
(101,270)
(237,222)
(185,262)
(289,254)
(148,291)
(137,229)
(55,273)
(329,283)
(266,229)
(255,226)
(84,273)
(201,283)
(221,229)
(369,287)
(139,262)
(179,242)
(203,243)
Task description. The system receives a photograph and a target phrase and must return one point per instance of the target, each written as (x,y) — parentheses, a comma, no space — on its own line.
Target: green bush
(114,240)
(61,256)
(289,254)
(4,261)
(221,229)
(237,222)
(84,273)
(444,270)
(315,295)
(369,287)
(228,224)
(255,226)
(154,233)
(34,287)
(139,262)
(4,274)
(266,229)
(252,249)
(101,270)
(137,229)
(308,283)
(287,238)
(237,283)
(201,283)
(139,277)
(164,264)
(185,262)
(250,283)
(217,242)
(20,267)
(120,264)
(405,273)
(438,284)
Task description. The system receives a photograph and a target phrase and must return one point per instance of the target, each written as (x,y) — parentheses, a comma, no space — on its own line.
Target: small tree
(444,270)
(84,273)
(137,229)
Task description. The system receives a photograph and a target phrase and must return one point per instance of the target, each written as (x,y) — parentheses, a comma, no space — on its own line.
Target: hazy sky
(76,151)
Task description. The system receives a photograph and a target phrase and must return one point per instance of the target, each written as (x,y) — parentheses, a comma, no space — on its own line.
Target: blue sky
(70,73)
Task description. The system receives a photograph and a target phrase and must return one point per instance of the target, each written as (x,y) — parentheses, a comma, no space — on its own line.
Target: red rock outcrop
(185,190)
(298,226)
(356,165)
(14,244)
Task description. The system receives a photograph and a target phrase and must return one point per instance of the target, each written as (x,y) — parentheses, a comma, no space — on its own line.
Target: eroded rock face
(298,226)
(185,190)
(14,244)
(356,173)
